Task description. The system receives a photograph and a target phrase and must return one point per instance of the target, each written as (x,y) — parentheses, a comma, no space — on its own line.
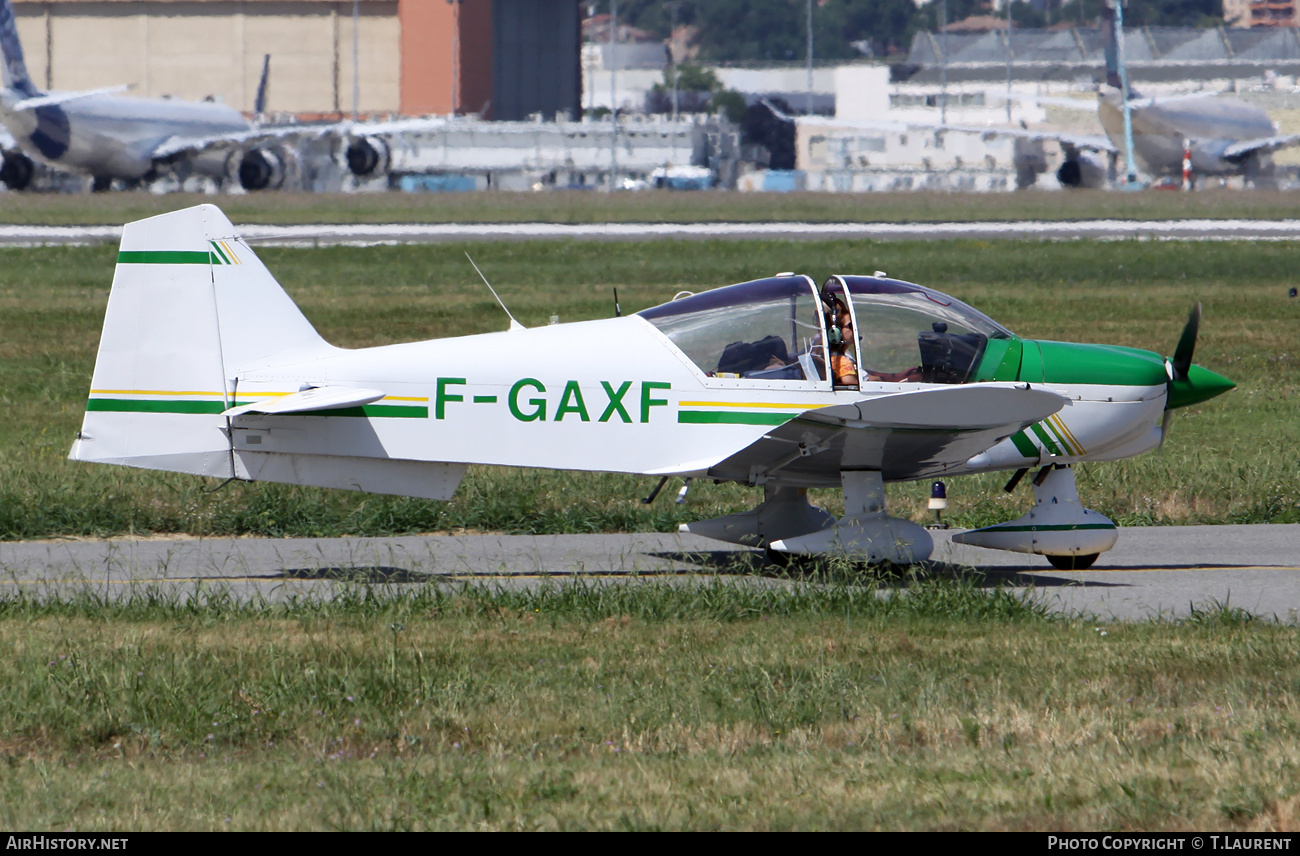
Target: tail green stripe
(162,257)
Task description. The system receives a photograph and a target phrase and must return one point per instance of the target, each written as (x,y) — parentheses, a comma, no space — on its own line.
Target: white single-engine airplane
(206,367)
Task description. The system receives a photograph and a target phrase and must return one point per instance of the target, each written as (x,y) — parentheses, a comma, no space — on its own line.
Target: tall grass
(708,705)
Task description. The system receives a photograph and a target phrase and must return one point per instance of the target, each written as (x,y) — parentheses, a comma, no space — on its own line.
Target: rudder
(191,308)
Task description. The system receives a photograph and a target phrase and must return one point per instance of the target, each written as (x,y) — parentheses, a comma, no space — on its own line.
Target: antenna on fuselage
(514,325)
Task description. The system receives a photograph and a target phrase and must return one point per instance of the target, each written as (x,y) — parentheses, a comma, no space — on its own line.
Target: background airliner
(1225,135)
(131,139)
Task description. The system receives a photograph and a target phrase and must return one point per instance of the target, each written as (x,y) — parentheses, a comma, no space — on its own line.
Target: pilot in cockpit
(839,326)
(839,331)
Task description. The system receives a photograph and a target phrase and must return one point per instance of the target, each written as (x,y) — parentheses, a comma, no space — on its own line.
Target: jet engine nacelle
(261,169)
(1083,170)
(16,170)
(368,156)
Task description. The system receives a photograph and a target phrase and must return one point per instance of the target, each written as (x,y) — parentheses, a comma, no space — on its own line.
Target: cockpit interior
(784,330)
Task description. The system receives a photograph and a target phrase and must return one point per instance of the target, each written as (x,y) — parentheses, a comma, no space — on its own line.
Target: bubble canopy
(766,329)
(776,329)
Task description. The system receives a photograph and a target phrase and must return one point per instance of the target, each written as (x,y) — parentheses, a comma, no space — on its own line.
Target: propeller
(1180,365)
(1182,361)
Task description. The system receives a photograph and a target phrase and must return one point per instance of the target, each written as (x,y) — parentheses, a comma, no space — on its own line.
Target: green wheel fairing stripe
(128,405)
(162,257)
(715,417)
(1024,445)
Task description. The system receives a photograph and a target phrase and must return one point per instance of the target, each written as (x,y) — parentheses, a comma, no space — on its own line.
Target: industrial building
(501,59)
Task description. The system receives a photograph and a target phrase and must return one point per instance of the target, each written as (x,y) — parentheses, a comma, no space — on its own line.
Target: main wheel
(1073,563)
(780,559)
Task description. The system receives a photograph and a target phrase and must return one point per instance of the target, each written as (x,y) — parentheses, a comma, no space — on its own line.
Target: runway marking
(324,234)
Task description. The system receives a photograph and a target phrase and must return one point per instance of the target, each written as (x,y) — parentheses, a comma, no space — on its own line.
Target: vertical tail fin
(1110,43)
(13,68)
(191,309)
(1111,33)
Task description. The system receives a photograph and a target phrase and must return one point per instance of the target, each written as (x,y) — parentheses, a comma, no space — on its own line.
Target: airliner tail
(13,68)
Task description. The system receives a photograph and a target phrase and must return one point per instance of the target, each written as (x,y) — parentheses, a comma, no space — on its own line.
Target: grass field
(715,706)
(1231,460)
(652,206)
(838,704)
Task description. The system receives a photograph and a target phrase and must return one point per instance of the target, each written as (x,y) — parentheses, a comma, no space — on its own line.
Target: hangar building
(503,59)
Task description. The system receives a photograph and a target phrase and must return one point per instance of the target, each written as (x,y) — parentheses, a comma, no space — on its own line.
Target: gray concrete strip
(321,235)
(1153,571)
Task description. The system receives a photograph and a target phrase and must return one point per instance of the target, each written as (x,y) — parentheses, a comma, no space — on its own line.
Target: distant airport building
(503,59)
(1075,53)
(1259,13)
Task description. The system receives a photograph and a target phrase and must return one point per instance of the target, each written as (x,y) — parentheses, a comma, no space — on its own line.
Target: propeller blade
(1164,428)
(1182,361)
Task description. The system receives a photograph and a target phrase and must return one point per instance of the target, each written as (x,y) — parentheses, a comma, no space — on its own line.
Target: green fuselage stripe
(1024,445)
(162,257)
(715,417)
(131,405)
(1048,443)
(391,411)
(217,249)
(1060,439)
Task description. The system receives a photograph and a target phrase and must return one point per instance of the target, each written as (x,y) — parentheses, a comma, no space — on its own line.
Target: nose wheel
(1073,563)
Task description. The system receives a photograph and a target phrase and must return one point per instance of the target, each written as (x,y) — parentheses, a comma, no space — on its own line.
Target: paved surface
(362,235)
(1155,571)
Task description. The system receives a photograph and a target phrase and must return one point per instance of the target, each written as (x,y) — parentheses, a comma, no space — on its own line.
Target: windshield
(769,329)
(907,332)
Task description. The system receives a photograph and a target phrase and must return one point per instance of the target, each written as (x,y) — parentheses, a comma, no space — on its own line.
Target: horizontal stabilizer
(52,98)
(1243,148)
(319,398)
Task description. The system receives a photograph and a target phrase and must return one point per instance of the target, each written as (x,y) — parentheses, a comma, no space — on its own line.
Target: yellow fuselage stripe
(786,406)
(1067,433)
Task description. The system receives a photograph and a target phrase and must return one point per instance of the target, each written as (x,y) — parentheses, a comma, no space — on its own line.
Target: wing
(1079,142)
(269,134)
(1085,142)
(1244,148)
(905,435)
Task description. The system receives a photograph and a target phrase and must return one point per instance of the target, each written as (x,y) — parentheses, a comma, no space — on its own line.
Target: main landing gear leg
(865,533)
(785,512)
(1058,526)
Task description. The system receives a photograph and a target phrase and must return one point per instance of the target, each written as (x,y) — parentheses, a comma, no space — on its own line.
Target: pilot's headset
(834,335)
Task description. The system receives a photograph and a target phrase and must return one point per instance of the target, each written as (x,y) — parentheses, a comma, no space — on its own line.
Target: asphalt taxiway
(1152,572)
